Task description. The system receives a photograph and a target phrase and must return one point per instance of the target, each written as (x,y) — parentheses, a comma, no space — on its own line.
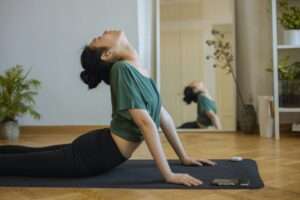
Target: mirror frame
(156,18)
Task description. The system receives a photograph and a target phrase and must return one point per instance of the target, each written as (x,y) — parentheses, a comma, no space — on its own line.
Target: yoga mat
(144,174)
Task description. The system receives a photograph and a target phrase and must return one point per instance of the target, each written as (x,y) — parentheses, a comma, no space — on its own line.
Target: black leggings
(90,154)
(189,125)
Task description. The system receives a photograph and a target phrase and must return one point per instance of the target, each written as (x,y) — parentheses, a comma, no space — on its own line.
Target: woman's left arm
(169,129)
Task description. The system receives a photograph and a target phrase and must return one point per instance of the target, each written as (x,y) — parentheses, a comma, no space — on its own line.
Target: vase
(289,93)
(9,130)
(265,116)
(291,37)
(248,119)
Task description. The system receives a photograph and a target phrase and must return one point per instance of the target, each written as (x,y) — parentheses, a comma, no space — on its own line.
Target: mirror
(190,63)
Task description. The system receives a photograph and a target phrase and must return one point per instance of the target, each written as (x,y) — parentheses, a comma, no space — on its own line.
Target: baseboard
(58,129)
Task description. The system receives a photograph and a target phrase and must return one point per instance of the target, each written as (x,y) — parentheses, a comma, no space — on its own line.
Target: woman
(137,113)
(206,106)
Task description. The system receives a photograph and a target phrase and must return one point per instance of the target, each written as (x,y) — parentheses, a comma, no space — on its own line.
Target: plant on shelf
(223,59)
(289,82)
(16,99)
(289,18)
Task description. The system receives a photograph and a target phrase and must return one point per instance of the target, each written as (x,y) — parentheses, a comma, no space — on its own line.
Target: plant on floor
(16,98)
(223,56)
(289,15)
(223,59)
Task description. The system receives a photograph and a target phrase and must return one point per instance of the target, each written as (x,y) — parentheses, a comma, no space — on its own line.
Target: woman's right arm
(215,119)
(152,139)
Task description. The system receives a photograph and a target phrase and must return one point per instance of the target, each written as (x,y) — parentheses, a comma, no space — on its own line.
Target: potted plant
(289,18)
(223,59)
(289,83)
(16,99)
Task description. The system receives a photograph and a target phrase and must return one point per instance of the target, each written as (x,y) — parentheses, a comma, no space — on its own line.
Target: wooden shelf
(277,49)
(282,109)
(288,47)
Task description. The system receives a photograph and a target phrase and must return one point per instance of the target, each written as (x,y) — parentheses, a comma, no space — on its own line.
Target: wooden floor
(279,165)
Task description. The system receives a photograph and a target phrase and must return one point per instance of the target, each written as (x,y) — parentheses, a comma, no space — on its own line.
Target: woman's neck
(130,54)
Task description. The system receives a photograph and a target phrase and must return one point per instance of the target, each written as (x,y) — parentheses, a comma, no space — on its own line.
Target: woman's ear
(107,55)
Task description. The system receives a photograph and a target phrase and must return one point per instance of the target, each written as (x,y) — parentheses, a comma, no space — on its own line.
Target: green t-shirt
(131,89)
(205,104)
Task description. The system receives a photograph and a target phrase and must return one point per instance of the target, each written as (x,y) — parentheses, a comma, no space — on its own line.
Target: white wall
(48,36)
(254,48)
(147,34)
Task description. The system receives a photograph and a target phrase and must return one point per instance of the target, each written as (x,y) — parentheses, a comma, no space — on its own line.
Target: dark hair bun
(96,70)
(189,95)
(84,77)
(90,80)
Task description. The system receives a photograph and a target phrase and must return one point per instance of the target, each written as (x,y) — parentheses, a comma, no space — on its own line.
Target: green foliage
(222,52)
(16,94)
(223,56)
(286,71)
(289,15)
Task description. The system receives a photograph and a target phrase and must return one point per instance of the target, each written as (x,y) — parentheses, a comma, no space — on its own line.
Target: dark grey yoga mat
(144,174)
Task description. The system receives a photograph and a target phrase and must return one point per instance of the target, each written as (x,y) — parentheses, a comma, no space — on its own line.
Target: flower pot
(9,130)
(289,93)
(291,37)
(248,119)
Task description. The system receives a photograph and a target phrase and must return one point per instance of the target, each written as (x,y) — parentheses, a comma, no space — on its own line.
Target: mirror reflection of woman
(206,106)
(136,115)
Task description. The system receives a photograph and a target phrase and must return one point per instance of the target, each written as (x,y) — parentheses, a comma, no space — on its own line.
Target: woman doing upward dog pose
(137,115)
(206,106)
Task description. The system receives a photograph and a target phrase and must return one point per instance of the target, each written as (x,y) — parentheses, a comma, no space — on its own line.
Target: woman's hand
(190,161)
(185,179)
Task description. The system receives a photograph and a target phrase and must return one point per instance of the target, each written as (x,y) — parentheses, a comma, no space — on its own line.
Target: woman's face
(197,86)
(109,39)
(113,40)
